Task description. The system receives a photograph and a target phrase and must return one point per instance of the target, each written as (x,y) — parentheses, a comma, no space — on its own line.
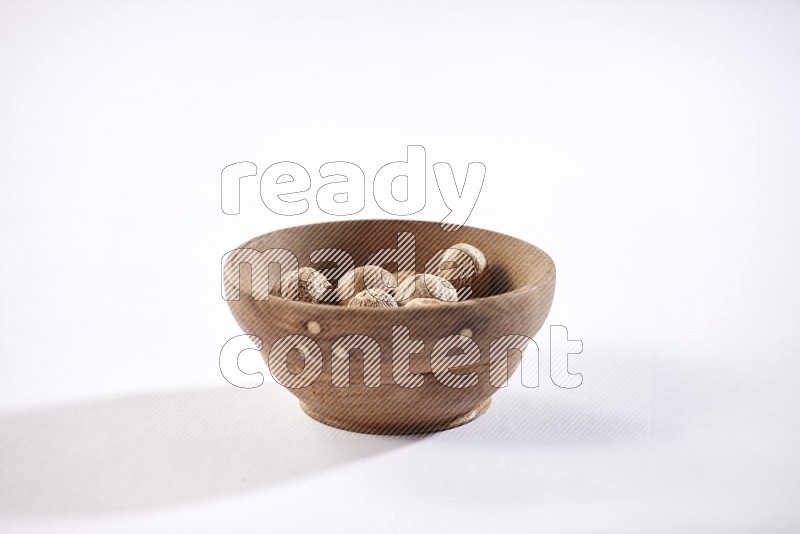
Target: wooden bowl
(515,300)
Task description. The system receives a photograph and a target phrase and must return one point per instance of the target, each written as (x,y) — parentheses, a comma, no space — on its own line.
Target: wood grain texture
(516,298)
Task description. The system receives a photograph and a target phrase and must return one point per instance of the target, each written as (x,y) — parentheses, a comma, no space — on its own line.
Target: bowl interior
(513,264)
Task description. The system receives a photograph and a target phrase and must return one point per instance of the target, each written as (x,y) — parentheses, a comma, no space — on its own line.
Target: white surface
(651,148)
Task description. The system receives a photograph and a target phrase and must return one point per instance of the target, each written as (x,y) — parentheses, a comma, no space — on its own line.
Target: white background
(650,147)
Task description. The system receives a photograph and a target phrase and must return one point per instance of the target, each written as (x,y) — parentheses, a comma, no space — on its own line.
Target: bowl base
(399,429)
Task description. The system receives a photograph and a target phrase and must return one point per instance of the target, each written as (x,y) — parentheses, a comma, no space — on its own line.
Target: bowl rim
(460,305)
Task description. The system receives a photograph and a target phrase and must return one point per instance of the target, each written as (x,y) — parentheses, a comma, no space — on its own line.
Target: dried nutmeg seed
(422,303)
(372,298)
(425,286)
(367,277)
(402,275)
(305,284)
(463,265)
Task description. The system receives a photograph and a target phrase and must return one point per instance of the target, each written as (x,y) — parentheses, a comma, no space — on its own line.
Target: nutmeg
(372,298)
(402,275)
(463,265)
(305,284)
(367,277)
(425,286)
